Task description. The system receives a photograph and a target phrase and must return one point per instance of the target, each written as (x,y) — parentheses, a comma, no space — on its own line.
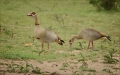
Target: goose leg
(42,45)
(42,48)
(88,45)
(92,45)
(48,46)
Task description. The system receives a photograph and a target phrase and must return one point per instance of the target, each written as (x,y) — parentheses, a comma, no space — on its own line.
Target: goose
(90,35)
(43,35)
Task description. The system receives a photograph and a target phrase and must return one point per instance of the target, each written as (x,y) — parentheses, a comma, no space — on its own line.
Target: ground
(67,67)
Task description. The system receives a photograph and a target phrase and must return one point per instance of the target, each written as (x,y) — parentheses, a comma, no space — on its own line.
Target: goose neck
(36,20)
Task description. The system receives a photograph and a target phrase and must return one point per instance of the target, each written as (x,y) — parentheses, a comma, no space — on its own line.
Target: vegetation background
(17,28)
(66,18)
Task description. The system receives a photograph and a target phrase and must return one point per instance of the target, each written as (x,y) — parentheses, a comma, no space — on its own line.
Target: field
(66,18)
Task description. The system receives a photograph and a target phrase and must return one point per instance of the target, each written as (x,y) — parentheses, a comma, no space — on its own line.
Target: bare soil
(56,68)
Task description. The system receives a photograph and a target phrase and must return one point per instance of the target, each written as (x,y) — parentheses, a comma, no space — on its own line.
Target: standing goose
(89,35)
(45,36)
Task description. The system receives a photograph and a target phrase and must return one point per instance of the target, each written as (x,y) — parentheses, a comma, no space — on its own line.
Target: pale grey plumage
(45,36)
(89,35)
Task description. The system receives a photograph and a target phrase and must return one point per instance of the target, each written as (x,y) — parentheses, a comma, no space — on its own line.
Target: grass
(72,16)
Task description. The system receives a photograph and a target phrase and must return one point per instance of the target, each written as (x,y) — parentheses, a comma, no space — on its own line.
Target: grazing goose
(89,35)
(45,36)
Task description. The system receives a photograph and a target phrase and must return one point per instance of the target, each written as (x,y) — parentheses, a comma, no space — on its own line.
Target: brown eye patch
(33,13)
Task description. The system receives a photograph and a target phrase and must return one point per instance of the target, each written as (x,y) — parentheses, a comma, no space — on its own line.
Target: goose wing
(49,36)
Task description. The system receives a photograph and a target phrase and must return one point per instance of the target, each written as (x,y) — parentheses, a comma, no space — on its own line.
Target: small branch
(59,18)
(0,29)
(53,7)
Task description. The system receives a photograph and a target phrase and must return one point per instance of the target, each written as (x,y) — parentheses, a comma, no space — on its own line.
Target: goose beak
(29,14)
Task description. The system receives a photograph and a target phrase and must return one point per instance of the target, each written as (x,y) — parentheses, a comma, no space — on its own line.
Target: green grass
(17,28)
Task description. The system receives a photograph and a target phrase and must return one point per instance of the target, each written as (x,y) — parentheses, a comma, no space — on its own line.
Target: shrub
(106,4)
(108,58)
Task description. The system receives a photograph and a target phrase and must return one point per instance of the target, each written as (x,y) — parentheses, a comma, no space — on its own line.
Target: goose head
(32,14)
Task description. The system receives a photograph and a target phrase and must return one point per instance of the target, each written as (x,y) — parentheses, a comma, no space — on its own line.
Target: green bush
(106,4)
(108,58)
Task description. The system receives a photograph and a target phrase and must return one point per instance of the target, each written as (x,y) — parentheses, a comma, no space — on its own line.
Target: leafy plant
(24,69)
(65,64)
(103,47)
(11,66)
(37,70)
(84,63)
(62,68)
(81,45)
(7,32)
(88,69)
(84,66)
(108,58)
(108,71)
(77,73)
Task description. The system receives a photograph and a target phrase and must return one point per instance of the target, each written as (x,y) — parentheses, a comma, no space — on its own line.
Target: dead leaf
(28,44)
